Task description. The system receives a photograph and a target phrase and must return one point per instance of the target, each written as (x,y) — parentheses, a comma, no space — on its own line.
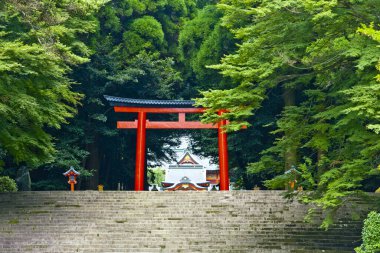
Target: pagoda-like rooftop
(132,102)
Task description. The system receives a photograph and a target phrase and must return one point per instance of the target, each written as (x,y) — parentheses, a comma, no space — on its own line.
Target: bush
(7,184)
(156,176)
(370,234)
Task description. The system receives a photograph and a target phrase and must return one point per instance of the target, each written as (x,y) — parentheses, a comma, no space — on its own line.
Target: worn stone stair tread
(101,222)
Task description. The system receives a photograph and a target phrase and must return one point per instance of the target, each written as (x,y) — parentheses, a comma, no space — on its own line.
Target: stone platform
(103,222)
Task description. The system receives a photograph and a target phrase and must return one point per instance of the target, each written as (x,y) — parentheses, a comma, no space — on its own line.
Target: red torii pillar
(141,124)
(223,155)
(140,152)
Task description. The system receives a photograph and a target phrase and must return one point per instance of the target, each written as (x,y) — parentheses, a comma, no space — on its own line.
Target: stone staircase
(102,222)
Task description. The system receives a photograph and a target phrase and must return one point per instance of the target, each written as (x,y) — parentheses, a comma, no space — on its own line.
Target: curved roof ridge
(120,101)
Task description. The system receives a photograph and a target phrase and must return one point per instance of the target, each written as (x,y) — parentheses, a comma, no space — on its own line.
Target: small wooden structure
(72,176)
(293,175)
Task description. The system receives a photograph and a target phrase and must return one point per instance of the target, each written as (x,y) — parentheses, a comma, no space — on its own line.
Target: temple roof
(71,171)
(185,184)
(132,102)
(187,159)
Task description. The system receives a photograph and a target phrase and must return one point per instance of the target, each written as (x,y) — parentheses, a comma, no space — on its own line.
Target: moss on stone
(14,221)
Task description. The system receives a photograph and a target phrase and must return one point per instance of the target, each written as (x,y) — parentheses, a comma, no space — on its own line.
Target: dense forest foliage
(302,74)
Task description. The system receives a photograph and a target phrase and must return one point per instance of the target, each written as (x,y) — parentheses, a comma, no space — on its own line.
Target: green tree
(203,41)
(156,176)
(314,51)
(39,45)
(7,184)
(370,234)
(133,57)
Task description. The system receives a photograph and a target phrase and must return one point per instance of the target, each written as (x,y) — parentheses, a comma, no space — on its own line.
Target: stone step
(235,221)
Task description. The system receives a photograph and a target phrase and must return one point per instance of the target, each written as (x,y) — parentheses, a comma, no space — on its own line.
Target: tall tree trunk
(107,166)
(320,152)
(23,180)
(93,164)
(80,179)
(291,151)
(321,167)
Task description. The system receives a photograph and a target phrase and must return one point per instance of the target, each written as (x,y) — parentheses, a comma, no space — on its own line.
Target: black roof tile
(118,101)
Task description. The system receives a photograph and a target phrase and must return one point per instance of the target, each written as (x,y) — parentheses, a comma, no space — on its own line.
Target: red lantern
(72,175)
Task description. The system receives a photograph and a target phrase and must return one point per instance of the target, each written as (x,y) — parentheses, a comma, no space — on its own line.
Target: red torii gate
(143,106)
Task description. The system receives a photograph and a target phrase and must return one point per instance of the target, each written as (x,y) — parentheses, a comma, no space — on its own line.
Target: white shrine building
(189,175)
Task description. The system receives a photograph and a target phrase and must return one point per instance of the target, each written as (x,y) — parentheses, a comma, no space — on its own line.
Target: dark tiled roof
(118,101)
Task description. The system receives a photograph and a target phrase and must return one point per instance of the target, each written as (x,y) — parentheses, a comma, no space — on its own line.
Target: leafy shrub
(370,234)
(156,176)
(7,184)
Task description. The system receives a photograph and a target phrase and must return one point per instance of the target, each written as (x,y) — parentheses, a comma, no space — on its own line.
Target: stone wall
(102,222)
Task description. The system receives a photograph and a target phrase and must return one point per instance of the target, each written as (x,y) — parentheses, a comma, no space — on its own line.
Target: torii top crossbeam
(143,106)
(181,107)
